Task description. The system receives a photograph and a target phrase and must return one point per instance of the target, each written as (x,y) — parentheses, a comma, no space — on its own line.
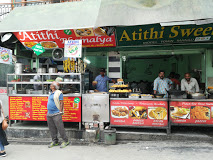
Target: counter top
(42,95)
(192,100)
(163,99)
(140,99)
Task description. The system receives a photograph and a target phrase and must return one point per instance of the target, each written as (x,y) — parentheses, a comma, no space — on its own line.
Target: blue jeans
(1,146)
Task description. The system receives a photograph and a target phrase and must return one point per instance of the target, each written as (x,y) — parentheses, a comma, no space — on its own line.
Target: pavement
(151,150)
(38,133)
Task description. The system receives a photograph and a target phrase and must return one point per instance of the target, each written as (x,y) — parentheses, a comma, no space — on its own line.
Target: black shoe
(3,154)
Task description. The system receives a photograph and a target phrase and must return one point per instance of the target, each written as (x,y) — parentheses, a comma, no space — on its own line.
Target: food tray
(147,97)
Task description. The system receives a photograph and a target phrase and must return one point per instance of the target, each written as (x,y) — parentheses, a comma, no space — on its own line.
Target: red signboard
(191,112)
(55,39)
(35,109)
(139,113)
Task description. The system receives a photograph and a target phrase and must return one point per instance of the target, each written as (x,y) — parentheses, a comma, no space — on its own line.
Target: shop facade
(136,57)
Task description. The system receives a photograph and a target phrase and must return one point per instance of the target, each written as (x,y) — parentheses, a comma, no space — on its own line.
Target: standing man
(162,84)
(101,81)
(189,84)
(55,107)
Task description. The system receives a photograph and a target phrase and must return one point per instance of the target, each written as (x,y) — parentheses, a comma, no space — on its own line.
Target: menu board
(139,113)
(191,112)
(35,108)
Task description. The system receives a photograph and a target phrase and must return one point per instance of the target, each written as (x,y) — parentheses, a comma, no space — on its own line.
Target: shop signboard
(191,112)
(157,34)
(73,48)
(5,55)
(35,108)
(50,39)
(139,113)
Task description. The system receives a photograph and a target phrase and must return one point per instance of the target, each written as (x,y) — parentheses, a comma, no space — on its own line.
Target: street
(150,150)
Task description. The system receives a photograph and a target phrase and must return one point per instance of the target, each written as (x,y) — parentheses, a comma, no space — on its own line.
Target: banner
(157,34)
(191,112)
(91,37)
(35,108)
(5,55)
(73,48)
(139,113)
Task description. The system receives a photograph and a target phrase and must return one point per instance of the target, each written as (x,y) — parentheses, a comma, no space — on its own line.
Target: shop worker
(55,108)
(189,84)
(101,81)
(162,84)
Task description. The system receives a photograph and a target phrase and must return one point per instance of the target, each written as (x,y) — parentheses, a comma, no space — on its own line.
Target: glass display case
(39,84)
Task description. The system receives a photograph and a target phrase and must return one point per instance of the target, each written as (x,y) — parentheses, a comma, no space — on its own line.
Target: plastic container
(110,136)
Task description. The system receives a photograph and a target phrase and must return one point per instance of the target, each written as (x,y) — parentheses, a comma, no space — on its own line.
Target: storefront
(173,49)
(29,86)
(132,54)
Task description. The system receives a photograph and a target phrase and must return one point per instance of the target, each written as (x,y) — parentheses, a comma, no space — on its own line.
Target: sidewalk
(38,133)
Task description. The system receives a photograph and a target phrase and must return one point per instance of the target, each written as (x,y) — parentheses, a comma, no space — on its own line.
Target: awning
(96,13)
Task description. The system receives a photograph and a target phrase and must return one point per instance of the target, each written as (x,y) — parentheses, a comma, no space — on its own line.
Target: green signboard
(157,34)
(38,49)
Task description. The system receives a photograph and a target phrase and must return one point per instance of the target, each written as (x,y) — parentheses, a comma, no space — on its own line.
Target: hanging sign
(50,39)
(38,49)
(73,48)
(5,55)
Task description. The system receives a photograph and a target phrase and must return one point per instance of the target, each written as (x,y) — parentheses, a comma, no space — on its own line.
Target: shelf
(63,82)
(43,74)
(24,82)
(42,82)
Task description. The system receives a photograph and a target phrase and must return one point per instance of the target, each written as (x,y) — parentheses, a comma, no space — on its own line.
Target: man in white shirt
(189,84)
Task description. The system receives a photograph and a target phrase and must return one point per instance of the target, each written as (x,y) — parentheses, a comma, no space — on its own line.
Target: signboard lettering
(156,34)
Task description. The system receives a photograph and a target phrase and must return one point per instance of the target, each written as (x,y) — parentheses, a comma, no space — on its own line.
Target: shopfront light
(8,38)
(87,61)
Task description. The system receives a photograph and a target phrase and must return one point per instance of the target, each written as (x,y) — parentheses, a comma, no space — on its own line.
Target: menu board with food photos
(35,108)
(91,37)
(183,112)
(139,113)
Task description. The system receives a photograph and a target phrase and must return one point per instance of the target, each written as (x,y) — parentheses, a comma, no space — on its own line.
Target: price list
(35,108)
(72,109)
(39,108)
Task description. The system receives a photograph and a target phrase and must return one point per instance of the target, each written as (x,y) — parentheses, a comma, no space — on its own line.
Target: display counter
(195,112)
(138,112)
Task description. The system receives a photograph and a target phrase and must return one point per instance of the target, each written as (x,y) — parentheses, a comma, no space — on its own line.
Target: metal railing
(6,8)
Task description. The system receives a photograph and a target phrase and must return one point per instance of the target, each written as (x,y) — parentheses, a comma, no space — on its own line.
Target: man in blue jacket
(55,107)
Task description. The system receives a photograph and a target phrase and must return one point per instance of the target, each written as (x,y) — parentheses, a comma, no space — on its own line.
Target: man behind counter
(189,84)
(162,84)
(101,81)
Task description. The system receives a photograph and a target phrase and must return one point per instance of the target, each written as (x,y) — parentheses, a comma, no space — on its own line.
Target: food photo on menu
(200,112)
(27,104)
(119,111)
(137,112)
(159,113)
(180,113)
(212,112)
